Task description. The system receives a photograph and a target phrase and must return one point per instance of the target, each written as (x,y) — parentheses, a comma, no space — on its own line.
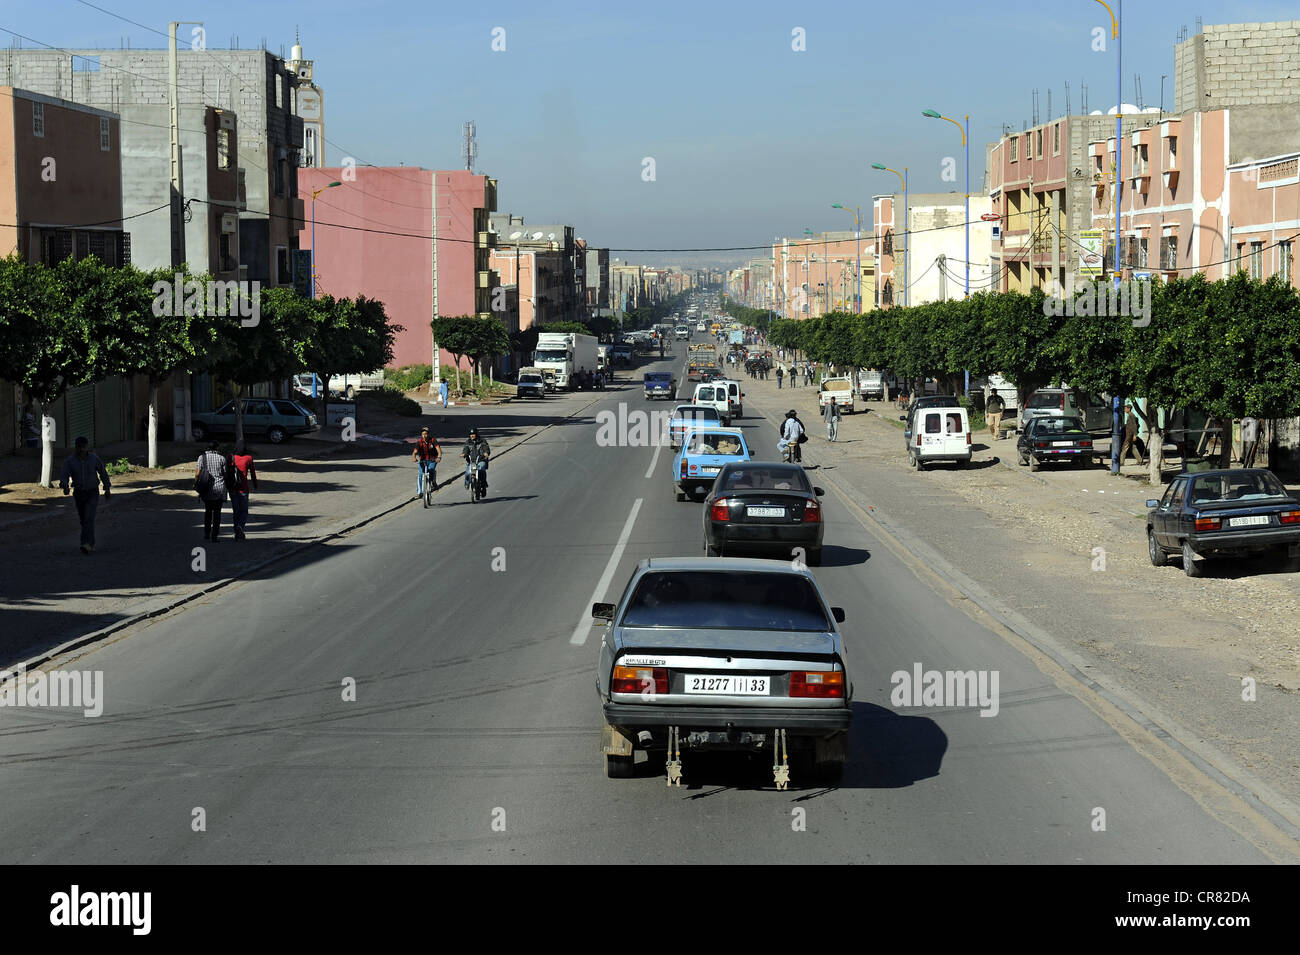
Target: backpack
(231,475)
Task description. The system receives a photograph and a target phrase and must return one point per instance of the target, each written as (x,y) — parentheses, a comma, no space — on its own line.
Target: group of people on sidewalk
(216,477)
(219,476)
(791,374)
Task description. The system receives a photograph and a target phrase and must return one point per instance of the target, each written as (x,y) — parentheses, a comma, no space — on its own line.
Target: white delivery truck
(565,353)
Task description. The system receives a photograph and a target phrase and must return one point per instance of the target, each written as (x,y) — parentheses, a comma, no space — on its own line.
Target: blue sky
(750,138)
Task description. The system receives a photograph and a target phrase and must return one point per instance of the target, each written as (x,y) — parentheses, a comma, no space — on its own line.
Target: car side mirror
(838,614)
(1153,503)
(819,492)
(602,611)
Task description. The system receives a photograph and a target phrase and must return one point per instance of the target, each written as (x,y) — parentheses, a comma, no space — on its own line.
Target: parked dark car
(1054,441)
(1231,513)
(764,506)
(277,418)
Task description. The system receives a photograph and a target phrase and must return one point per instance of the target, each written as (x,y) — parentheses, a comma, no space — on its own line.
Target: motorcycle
(476,478)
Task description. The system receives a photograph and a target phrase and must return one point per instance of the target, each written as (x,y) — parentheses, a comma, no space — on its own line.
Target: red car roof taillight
(819,684)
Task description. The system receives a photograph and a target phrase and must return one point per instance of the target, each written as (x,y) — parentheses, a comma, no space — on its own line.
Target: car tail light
(1208,523)
(720,510)
(1289,517)
(812,513)
(968,437)
(918,439)
(821,684)
(1040,444)
(1085,444)
(1063,401)
(639,680)
(683,465)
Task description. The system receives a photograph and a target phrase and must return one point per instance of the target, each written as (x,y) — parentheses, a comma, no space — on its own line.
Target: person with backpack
(210,484)
(239,474)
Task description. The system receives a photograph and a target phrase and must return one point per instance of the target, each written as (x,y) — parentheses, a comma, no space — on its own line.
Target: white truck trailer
(565,353)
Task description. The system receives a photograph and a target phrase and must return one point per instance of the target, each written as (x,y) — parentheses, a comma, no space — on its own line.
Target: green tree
(457,334)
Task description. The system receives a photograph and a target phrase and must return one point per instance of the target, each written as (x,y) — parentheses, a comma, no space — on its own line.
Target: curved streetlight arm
(1114,24)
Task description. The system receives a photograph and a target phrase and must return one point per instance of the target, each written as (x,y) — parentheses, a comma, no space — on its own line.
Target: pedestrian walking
(780,374)
(245,476)
(807,373)
(1130,437)
(86,472)
(993,411)
(210,483)
(1249,441)
(443,391)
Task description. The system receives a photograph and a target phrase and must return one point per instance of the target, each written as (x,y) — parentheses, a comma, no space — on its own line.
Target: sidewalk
(1065,551)
(149,529)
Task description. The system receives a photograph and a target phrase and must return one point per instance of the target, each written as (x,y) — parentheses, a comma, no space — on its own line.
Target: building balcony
(487,240)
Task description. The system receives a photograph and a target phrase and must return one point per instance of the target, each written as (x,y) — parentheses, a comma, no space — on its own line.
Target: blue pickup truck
(660,384)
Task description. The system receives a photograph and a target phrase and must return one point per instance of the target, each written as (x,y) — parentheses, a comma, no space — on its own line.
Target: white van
(714,395)
(942,434)
(735,394)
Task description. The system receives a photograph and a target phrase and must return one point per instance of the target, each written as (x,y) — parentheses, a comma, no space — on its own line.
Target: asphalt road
(474,732)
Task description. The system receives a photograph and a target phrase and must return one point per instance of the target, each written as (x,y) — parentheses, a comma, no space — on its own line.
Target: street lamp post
(1116,33)
(965,142)
(314,193)
(907,249)
(857,239)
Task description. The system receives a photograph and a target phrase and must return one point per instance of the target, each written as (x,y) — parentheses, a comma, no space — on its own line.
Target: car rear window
(726,600)
(699,413)
(288,408)
(726,445)
(1041,399)
(1235,487)
(764,479)
(1057,425)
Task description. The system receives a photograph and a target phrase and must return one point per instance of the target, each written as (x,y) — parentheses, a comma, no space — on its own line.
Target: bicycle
(429,478)
(902,401)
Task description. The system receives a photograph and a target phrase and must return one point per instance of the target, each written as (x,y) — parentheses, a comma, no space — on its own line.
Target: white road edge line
(654,460)
(583,630)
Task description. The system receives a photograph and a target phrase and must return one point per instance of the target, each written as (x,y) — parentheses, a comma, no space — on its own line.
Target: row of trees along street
(79,322)
(1228,348)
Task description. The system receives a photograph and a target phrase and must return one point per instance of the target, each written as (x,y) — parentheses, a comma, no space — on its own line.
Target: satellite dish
(515,235)
(536,236)
(551,236)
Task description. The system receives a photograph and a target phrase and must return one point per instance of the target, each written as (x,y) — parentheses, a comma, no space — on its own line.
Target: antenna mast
(471,147)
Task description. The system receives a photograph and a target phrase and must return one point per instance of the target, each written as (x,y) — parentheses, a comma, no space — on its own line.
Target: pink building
(818,274)
(375,235)
(1189,207)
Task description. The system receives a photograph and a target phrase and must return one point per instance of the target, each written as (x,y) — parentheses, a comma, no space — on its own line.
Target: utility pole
(177,177)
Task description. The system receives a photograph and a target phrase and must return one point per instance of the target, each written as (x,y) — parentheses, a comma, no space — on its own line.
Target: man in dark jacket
(476,449)
(86,472)
(1130,437)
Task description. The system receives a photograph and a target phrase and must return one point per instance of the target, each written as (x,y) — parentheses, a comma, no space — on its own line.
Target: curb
(78,643)
(1250,789)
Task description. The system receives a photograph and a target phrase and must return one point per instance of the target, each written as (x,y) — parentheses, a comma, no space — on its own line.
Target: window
(279,173)
(283,274)
(277,89)
(1015,148)
(1056,140)
(1257,260)
(726,600)
(1180,492)
(1142,252)
(1284,260)
(1237,260)
(38,120)
(1173,152)
(223,149)
(257,406)
(1169,253)
(932,423)
(1027,147)
(1040,144)
(105,143)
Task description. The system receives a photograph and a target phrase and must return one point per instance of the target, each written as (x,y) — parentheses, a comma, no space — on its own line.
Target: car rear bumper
(764,534)
(926,458)
(1062,454)
(802,721)
(1244,540)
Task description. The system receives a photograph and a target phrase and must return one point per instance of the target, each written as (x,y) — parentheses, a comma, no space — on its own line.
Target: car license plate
(710,470)
(765,512)
(1248,521)
(1062,444)
(727,685)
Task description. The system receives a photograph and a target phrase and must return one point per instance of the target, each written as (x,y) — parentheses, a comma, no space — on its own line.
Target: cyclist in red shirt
(427,454)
